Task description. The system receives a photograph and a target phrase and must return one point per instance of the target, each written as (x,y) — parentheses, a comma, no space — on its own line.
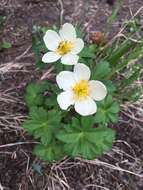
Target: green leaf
(103,135)
(38,46)
(107,111)
(87,122)
(133,25)
(51,152)
(58,67)
(75,122)
(127,89)
(114,108)
(100,117)
(5,45)
(88,52)
(2,19)
(111,88)
(131,94)
(34,93)
(130,80)
(79,32)
(51,101)
(120,51)
(136,55)
(112,117)
(43,124)
(87,142)
(101,71)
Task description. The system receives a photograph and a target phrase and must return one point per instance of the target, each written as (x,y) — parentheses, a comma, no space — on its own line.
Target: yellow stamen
(81,90)
(64,47)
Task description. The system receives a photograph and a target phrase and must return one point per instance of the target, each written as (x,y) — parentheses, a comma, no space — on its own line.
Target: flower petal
(65,99)
(50,57)
(81,71)
(65,80)
(52,40)
(78,46)
(98,90)
(86,107)
(69,59)
(68,32)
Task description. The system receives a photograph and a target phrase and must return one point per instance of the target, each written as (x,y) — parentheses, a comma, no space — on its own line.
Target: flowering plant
(70,114)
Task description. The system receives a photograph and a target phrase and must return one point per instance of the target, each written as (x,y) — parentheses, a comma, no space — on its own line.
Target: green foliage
(133,25)
(2,20)
(107,111)
(35,93)
(111,88)
(131,94)
(51,152)
(135,56)
(62,133)
(43,124)
(133,77)
(101,71)
(79,32)
(38,46)
(120,51)
(88,55)
(82,139)
(88,52)
(5,45)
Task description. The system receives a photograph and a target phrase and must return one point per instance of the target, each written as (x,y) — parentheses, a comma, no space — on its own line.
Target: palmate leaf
(101,71)
(107,111)
(111,88)
(5,45)
(88,52)
(42,124)
(34,93)
(84,140)
(51,152)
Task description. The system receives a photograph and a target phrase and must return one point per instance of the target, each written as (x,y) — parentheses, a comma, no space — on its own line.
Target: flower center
(81,90)
(64,47)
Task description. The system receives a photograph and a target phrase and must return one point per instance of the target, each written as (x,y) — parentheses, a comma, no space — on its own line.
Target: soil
(119,169)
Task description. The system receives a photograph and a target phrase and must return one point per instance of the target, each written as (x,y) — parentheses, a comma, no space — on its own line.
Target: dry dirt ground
(119,169)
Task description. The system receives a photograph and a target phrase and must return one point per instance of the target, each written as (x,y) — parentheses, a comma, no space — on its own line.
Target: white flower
(79,91)
(64,45)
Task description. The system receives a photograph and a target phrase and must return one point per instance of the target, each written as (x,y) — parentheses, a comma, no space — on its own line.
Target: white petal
(78,46)
(82,72)
(50,57)
(68,32)
(65,80)
(65,99)
(69,59)
(86,107)
(52,40)
(98,90)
